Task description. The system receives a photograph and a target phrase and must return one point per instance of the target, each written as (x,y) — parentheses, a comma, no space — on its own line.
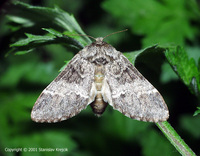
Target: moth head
(99,40)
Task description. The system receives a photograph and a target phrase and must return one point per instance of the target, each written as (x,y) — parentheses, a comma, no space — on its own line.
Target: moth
(99,75)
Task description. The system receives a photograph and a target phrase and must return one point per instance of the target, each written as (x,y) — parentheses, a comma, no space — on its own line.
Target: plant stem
(175,139)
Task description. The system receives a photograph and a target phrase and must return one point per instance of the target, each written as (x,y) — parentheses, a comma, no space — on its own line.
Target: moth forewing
(67,95)
(98,75)
(132,94)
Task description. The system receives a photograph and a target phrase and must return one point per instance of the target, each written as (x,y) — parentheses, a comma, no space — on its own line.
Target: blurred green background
(23,77)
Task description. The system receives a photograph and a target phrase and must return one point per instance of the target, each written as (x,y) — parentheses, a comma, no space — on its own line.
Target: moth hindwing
(99,75)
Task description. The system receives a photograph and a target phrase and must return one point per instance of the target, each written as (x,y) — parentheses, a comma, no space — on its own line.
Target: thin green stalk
(175,139)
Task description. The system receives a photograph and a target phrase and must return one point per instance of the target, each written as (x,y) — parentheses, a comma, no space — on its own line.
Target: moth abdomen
(99,105)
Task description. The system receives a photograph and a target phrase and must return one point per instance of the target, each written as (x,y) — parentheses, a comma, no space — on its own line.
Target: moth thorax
(100,61)
(99,105)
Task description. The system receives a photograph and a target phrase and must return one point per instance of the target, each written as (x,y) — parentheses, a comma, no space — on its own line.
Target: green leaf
(197,111)
(76,36)
(32,38)
(185,68)
(145,56)
(56,16)
(53,32)
(63,21)
(23,52)
(193,52)
(20,20)
(159,22)
(132,56)
(24,46)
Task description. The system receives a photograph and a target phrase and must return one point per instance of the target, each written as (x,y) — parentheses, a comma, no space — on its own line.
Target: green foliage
(56,15)
(25,71)
(32,41)
(61,21)
(159,145)
(132,56)
(186,68)
(39,30)
(191,125)
(197,111)
(165,21)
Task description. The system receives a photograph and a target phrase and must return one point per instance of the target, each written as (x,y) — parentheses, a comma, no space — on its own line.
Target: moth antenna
(81,35)
(115,33)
